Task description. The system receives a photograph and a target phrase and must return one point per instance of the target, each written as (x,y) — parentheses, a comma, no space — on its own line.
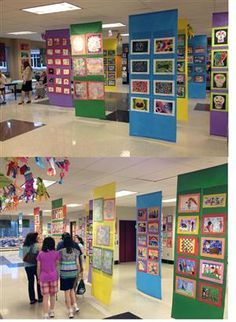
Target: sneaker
(46,316)
(20,103)
(76,308)
(51,314)
(3,103)
(28,102)
(71,314)
(33,302)
(40,300)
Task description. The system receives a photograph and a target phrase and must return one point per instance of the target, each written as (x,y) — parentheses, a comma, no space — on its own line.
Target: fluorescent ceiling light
(74,205)
(112,25)
(47,210)
(169,200)
(52,8)
(22,33)
(124,193)
(124,35)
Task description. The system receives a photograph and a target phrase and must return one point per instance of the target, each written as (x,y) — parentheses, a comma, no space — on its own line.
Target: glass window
(36,61)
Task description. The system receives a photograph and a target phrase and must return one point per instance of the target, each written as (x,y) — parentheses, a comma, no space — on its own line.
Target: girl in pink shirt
(47,262)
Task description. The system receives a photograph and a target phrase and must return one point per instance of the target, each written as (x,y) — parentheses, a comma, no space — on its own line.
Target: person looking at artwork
(27,83)
(40,88)
(3,81)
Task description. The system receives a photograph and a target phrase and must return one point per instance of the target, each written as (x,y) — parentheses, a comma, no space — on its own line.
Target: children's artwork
(199,79)
(164,45)
(220,58)
(180,91)
(56,42)
(80,90)
(57,51)
(152,268)
(49,42)
(152,241)
(142,214)
(181,66)
(94,44)
(213,224)
(186,266)
(220,36)
(65,62)
(140,104)
(79,66)
(180,79)
(142,266)
(219,102)
(189,203)
(97,258)
(190,59)
(188,225)
(153,254)
(111,61)
(58,71)
(164,107)
(210,294)
(51,71)
(199,69)
(50,89)
(57,61)
(164,88)
(140,86)
(103,235)
(111,68)
(217,200)
(58,90)
(139,66)
(152,227)
(111,53)
(65,52)
(111,82)
(51,80)
(187,245)
(94,66)
(142,253)
(64,41)
(107,261)
(153,213)
(66,81)
(219,80)
(181,40)
(66,71)
(49,52)
(185,286)
(181,53)
(199,50)
(58,81)
(142,227)
(98,209)
(78,46)
(66,91)
(163,66)
(190,50)
(109,212)
(213,247)
(50,61)
(200,59)
(142,240)
(211,271)
(96,91)
(140,46)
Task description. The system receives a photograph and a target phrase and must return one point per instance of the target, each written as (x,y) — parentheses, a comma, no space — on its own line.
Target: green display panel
(201,245)
(88,69)
(57,203)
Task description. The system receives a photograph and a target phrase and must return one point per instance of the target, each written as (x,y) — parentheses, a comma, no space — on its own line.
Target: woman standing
(27,83)
(30,247)
(69,270)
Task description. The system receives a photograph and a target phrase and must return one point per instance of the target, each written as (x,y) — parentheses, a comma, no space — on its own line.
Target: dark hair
(80,239)
(30,239)
(26,64)
(48,244)
(64,235)
(68,243)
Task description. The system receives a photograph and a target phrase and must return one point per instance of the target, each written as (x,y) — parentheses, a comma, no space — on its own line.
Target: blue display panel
(197,60)
(153,70)
(148,256)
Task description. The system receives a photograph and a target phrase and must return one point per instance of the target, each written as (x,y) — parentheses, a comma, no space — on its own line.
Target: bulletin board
(89,239)
(38,220)
(58,219)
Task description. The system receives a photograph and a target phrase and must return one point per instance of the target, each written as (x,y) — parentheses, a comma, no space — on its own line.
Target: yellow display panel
(110,68)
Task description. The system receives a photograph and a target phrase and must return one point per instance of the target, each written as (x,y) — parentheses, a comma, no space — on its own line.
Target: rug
(124,316)
(202,107)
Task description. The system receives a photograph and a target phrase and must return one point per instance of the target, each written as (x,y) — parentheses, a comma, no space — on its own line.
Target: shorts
(50,288)
(27,86)
(67,283)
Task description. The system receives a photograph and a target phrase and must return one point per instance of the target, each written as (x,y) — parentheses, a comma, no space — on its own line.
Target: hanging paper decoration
(29,191)
(12,168)
(52,170)
(41,190)
(64,166)
(39,162)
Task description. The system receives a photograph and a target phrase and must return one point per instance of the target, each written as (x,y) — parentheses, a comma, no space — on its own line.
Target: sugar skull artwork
(219,80)
(220,36)
(218,102)
(220,58)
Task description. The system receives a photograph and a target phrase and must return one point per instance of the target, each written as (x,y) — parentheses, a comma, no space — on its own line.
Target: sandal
(28,102)
(20,103)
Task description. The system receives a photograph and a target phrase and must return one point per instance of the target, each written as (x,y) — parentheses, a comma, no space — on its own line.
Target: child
(3,81)
(47,261)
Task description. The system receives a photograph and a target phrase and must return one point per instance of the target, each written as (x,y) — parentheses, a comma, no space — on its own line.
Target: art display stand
(125,64)
(148,259)
(197,58)
(59,72)
(208,65)
(110,63)
(89,239)
(104,218)
(88,69)
(167,236)
(201,245)
(182,69)
(219,76)
(38,220)
(58,226)
(153,75)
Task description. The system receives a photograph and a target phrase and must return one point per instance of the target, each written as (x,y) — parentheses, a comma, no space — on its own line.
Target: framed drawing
(97,258)
(199,50)
(80,90)
(58,71)
(107,261)
(186,266)
(94,66)
(213,247)
(140,46)
(153,213)
(58,90)
(200,59)
(94,44)
(181,67)
(65,62)
(187,245)
(65,52)
(139,86)
(142,266)
(58,81)
(103,235)
(66,81)
(152,254)
(66,71)
(220,36)
(213,224)
(152,227)
(164,88)
(50,89)
(199,79)
(211,271)
(142,253)
(219,102)
(50,61)
(185,286)
(109,211)
(49,42)
(210,294)
(96,91)
(220,58)
(180,79)
(98,209)
(152,240)
(78,45)
(64,41)
(163,66)
(219,80)
(142,240)
(199,69)
(57,51)
(66,90)
(180,91)
(142,227)
(164,45)
(142,214)
(152,268)
(139,104)
(79,66)
(139,66)
(217,200)
(111,53)
(188,225)
(49,52)
(56,41)
(111,61)
(58,61)
(189,203)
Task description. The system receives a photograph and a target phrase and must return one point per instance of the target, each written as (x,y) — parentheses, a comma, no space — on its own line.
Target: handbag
(81,289)
(30,257)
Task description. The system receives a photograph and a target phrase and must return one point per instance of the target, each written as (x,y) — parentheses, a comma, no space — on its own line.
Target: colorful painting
(214,224)
(142,240)
(142,214)
(79,66)
(142,253)
(58,61)
(199,50)
(140,86)
(94,44)
(152,241)
(140,46)
(189,203)
(185,286)
(58,90)
(94,66)
(214,200)
(97,258)
(56,42)
(66,91)
(153,213)
(66,71)
(200,59)
(199,69)
(164,107)
(80,90)
(180,91)
(152,268)
(98,209)
(58,81)
(188,225)
(78,46)
(142,266)
(220,36)
(139,66)
(109,212)
(152,227)
(199,79)
(164,46)
(49,52)
(186,266)
(142,227)
(164,88)
(140,104)
(96,91)
(220,58)
(65,52)
(153,254)
(66,81)
(187,245)
(163,66)
(181,66)
(219,102)
(103,235)
(213,247)
(180,79)
(181,53)
(57,51)
(190,59)
(211,271)
(107,261)
(49,42)
(210,294)
(219,80)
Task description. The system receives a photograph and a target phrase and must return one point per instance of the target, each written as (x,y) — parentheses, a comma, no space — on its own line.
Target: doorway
(72,228)
(127,241)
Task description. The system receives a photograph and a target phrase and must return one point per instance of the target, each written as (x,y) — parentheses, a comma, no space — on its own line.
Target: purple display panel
(59,71)
(90,220)
(218,119)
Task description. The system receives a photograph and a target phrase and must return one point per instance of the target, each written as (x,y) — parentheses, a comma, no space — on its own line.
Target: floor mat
(124,316)
(119,116)
(202,107)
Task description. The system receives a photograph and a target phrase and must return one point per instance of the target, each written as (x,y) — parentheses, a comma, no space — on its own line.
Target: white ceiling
(142,175)
(198,12)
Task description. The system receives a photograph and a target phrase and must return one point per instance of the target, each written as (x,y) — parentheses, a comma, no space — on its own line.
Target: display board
(104,219)
(201,245)
(89,239)
(58,226)
(58,61)
(148,241)
(110,63)
(88,69)
(219,76)
(197,59)
(153,69)
(125,63)
(38,220)
(208,65)
(167,236)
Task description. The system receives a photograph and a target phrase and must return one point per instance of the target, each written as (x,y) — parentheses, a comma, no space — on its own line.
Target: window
(4,64)
(36,59)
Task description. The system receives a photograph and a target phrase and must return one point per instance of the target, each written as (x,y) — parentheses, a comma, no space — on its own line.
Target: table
(14,85)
